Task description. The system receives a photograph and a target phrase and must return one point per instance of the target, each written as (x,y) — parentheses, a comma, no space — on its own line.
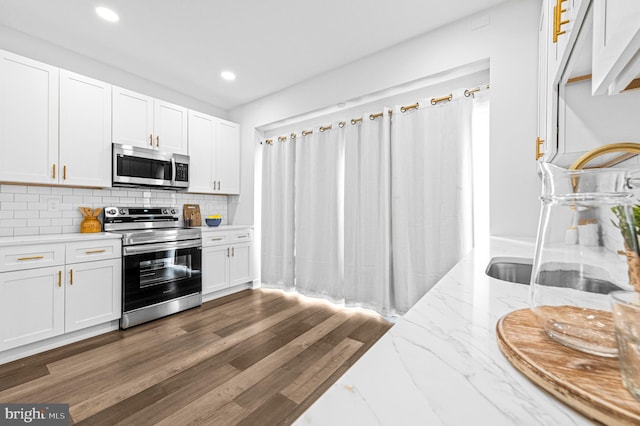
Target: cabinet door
(170,127)
(28,120)
(616,43)
(31,306)
(132,118)
(93,292)
(85,131)
(542,145)
(227,158)
(202,128)
(240,264)
(215,268)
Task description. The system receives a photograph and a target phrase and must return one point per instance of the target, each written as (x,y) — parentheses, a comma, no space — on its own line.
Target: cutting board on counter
(192,211)
(590,384)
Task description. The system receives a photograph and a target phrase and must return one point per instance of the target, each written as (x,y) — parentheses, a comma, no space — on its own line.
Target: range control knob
(123,211)
(174,211)
(165,211)
(112,211)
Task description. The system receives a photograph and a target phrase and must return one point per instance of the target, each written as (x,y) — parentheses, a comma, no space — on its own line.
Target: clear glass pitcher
(586,247)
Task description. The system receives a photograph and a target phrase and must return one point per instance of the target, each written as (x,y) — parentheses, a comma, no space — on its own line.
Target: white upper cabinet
(28,120)
(132,118)
(616,45)
(143,121)
(202,134)
(227,158)
(170,127)
(85,131)
(214,151)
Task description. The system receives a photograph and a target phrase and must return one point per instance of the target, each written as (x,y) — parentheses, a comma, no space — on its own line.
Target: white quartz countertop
(206,228)
(56,238)
(440,364)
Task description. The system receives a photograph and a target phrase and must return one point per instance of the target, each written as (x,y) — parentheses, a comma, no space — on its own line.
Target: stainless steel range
(161,262)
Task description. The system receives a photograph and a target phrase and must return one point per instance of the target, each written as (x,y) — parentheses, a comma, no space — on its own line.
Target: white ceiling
(270,45)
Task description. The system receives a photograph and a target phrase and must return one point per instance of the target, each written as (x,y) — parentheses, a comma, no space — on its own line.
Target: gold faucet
(631,148)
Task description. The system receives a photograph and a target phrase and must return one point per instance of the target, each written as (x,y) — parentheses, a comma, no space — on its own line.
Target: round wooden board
(590,384)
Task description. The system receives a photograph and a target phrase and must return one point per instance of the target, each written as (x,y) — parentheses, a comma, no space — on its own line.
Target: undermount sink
(518,270)
(512,269)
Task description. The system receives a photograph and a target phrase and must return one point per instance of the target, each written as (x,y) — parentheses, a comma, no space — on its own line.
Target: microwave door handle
(173,171)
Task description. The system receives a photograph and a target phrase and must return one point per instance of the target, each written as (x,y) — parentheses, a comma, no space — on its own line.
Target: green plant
(629,225)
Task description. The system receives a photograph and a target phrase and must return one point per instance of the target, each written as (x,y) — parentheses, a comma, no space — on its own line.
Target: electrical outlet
(53,205)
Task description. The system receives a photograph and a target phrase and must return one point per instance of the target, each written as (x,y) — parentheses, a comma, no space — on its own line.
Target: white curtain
(367,220)
(319,180)
(372,214)
(431,194)
(278,220)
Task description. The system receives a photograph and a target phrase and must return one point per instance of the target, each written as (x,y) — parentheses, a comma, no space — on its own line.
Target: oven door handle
(151,248)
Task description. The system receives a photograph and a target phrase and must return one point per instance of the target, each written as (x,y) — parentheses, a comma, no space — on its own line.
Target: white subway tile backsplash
(27,214)
(36,206)
(48,214)
(62,191)
(13,206)
(72,199)
(25,210)
(38,222)
(14,189)
(13,223)
(39,190)
(26,197)
(26,231)
(50,230)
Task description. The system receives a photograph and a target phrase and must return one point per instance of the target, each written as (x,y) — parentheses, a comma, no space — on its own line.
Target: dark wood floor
(255,357)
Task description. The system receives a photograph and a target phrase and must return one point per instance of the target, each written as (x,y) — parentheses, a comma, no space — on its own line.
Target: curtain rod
(403,109)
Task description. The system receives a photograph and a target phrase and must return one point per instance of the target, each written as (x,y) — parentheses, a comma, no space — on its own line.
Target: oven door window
(151,278)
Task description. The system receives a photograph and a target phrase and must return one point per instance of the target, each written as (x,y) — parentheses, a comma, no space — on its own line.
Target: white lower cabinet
(42,302)
(226,259)
(215,271)
(92,293)
(31,306)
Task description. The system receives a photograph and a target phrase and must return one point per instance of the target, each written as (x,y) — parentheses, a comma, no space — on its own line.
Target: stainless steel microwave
(135,167)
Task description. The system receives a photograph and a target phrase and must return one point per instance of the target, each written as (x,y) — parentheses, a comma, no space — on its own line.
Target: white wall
(510,43)
(43,51)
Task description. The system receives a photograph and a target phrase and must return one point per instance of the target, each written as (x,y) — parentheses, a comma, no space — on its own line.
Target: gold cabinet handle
(557,20)
(158,141)
(94,251)
(64,172)
(217,239)
(150,140)
(59,278)
(70,276)
(233,251)
(228,251)
(242,236)
(54,172)
(539,143)
(30,258)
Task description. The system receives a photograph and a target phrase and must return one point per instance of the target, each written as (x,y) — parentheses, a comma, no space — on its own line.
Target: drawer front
(215,238)
(241,235)
(31,256)
(87,251)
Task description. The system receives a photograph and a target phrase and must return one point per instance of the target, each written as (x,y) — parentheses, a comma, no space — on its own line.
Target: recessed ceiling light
(228,75)
(107,14)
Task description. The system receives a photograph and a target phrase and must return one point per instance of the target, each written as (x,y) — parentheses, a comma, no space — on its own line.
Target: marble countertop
(440,364)
(205,228)
(56,238)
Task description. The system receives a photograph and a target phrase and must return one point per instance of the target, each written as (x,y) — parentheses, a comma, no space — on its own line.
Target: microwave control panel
(182,172)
